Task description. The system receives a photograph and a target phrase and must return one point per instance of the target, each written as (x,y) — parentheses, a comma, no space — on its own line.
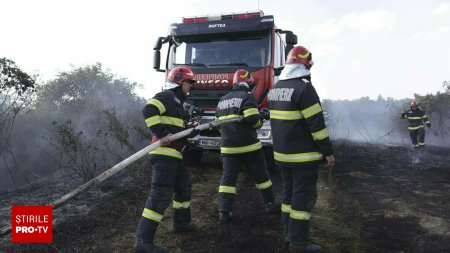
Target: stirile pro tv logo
(32,224)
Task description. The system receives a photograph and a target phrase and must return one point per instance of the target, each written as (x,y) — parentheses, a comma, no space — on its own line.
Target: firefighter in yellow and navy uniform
(240,146)
(164,115)
(300,143)
(416,117)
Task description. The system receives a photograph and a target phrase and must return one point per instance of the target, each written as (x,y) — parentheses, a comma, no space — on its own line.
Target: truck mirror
(288,48)
(157,60)
(158,43)
(291,38)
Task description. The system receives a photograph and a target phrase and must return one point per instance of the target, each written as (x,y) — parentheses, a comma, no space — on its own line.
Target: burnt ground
(374,200)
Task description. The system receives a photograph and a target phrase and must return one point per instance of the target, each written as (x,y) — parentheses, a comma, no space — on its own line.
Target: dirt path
(375,201)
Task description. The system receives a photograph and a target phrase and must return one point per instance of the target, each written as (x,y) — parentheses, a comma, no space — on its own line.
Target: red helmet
(413,103)
(242,75)
(179,74)
(300,54)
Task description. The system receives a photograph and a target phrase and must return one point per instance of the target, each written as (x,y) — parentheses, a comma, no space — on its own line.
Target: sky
(360,48)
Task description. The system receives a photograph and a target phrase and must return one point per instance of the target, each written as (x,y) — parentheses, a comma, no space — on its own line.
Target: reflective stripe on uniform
(320,135)
(286,208)
(227,116)
(421,143)
(415,128)
(166,151)
(300,157)
(152,215)
(153,121)
(227,189)
(264,185)
(300,215)
(172,121)
(250,112)
(181,205)
(285,115)
(238,150)
(413,118)
(312,110)
(158,105)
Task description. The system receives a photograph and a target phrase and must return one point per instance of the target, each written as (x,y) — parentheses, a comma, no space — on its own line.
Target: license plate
(210,143)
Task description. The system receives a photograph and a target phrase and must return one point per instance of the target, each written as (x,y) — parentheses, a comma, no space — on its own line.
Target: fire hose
(123,164)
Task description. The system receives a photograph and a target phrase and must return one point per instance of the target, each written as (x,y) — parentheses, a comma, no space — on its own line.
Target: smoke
(376,122)
(107,121)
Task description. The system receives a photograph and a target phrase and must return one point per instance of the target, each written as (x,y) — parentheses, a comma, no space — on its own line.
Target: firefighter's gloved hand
(264,113)
(428,125)
(192,124)
(194,133)
(196,112)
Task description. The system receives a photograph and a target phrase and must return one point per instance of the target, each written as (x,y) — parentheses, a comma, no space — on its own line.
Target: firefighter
(240,146)
(300,143)
(416,119)
(164,115)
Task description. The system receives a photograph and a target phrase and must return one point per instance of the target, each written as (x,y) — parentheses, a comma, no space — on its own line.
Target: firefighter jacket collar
(238,87)
(295,70)
(178,91)
(169,85)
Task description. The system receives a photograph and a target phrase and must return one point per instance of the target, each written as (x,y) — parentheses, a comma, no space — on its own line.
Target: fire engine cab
(214,47)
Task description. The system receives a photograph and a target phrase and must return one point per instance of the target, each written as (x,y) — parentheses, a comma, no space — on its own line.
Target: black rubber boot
(305,248)
(225,217)
(298,231)
(142,246)
(181,221)
(272,205)
(145,233)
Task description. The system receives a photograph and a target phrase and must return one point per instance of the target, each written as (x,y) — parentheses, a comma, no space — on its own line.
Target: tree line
(87,119)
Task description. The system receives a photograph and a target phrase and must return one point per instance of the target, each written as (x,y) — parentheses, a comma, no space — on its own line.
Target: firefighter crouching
(240,146)
(416,119)
(164,115)
(300,144)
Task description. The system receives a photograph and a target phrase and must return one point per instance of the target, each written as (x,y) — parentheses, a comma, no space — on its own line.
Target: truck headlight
(263,133)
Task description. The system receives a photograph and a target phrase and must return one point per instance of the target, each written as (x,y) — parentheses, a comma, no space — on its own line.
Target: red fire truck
(215,46)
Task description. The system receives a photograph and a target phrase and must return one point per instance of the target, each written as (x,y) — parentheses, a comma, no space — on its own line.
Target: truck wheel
(192,157)
(268,153)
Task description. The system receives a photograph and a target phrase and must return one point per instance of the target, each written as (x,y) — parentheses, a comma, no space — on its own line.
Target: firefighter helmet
(180,74)
(413,103)
(242,76)
(300,54)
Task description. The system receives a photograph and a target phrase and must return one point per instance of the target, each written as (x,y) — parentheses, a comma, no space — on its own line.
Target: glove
(194,133)
(192,124)
(196,112)
(403,115)
(428,125)
(264,114)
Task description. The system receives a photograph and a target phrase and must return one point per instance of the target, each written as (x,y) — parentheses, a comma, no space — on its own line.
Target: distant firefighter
(416,119)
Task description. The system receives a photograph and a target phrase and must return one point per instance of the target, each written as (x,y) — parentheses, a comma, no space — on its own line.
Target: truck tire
(268,153)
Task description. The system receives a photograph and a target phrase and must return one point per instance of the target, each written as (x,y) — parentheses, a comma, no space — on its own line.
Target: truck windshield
(219,52)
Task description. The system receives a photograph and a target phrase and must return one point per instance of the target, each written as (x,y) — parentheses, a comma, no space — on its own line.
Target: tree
(94,118)
(438,110)
(16,91)
(446,85)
